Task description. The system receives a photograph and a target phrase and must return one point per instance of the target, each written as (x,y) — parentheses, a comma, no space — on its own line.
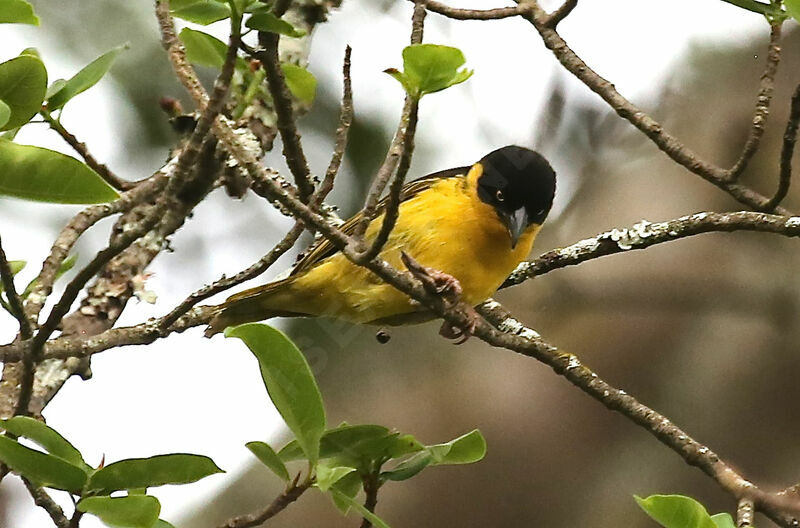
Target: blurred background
(703,330)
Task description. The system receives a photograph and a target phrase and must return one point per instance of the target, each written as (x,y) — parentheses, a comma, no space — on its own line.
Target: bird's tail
(247,307)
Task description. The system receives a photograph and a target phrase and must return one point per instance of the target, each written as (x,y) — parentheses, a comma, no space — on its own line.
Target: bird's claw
(449,289)
(434,281)
(460,334)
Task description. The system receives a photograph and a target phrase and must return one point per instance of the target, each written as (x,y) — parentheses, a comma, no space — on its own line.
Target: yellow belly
(445,227)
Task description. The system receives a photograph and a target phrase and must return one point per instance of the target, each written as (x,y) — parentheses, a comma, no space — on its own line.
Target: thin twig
(393,203)
(371,487)
(292,493)
(83,151)
(342,132)
(418,21)
(398,157)
(561,13)
(546,24)
(282,102)
(475,14)
(75,520)
(213,107)
(787,151)
(638,118)
(85,346)
(14,302)
(762,103)
(177,54)
(44,501)
(225,283)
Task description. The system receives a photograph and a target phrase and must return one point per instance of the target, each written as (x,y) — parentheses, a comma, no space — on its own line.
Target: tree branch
(223,284)
(646,234)
(518,338)
(75,228)
(745,511)
(371,487)
(342,132)
(282,101)
(762,104)
(561,13)
(787,151)
(14,302)
(83,151)
(638,118)
(639,236)
(475,14)
(291,494)
(44,501)
(398,159)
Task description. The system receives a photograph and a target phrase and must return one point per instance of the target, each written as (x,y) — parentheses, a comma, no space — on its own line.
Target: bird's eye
(499,196)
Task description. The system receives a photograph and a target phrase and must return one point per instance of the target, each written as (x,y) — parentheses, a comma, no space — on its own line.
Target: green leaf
(203,12)
(465,449)
(10,134)
(676,511)
(271,24)
(43,469)
(203,49)
(17,12)
(352,440)
(269,458)
(348,485)
(36,173)
(161,523)
(723,520)
(138,511)
(408,85)
(404,445)
(33,52)
(301,82)
(328,476)
(5,113)
(289,382)
(409,467)
(371,517)
(177,468)
(54,87)
(16,266)
(84,79)
(793,8)
(45,436)
(768,10)
(23,83)
(429,68)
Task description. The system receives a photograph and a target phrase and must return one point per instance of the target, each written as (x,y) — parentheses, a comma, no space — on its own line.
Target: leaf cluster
(57,464)
(346,459)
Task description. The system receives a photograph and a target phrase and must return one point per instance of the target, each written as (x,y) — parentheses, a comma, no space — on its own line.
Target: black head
(520,184)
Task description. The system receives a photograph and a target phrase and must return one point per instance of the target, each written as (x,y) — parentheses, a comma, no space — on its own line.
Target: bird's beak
(516,223)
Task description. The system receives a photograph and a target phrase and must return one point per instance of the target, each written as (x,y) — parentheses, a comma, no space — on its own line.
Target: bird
(474,223)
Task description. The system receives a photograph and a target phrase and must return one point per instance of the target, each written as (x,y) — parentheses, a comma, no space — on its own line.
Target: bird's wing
(324,248)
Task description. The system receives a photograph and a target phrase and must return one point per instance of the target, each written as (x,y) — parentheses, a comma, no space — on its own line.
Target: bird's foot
(434,281)
(459,334)
(449,289)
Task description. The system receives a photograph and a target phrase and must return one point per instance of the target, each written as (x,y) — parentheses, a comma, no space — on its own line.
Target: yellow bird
(475,224)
